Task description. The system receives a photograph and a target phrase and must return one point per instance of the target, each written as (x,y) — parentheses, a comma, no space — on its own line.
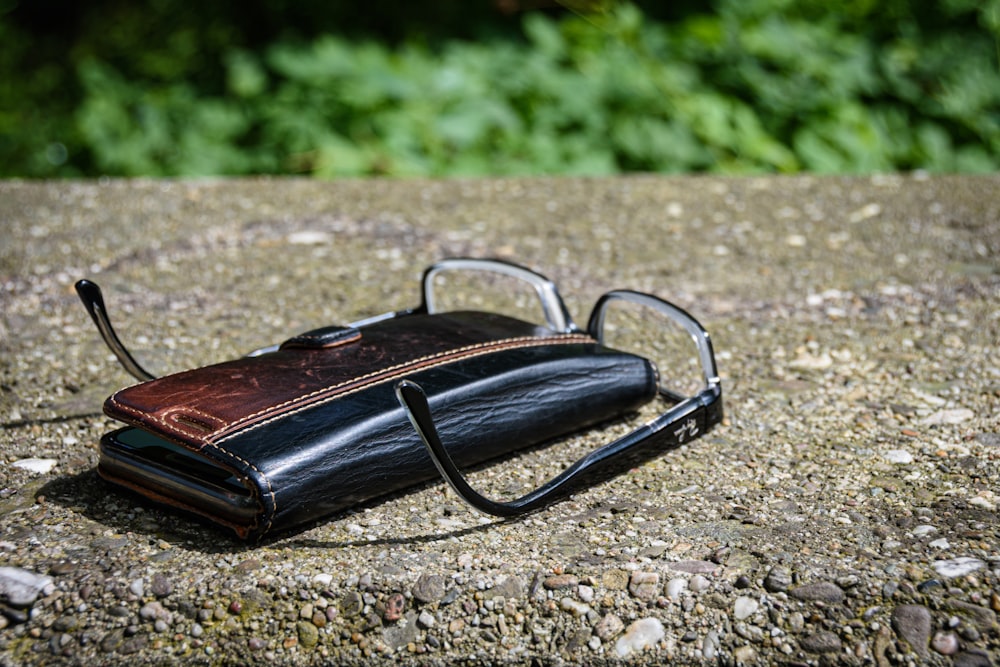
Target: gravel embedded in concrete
(845,513)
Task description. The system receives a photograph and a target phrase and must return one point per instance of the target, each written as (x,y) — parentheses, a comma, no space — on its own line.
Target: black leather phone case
(315,427)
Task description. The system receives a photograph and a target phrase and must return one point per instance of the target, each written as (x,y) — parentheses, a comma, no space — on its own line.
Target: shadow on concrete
(108,505)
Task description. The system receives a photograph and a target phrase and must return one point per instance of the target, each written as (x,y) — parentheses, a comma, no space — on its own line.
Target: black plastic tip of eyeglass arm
(93,301)
(675,427)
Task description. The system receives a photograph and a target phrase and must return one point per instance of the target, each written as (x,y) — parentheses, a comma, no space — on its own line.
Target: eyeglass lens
(641,329)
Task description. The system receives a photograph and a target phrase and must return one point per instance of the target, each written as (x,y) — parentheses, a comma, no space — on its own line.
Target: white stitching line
(173,428)
(524,342)
(390,373)
(391,369)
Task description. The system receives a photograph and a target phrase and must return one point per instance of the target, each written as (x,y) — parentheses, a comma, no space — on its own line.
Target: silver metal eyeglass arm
(93,301)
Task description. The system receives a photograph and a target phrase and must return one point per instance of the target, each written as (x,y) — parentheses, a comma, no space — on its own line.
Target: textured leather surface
(313,432)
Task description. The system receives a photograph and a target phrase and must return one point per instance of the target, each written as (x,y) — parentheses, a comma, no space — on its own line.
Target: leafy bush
(754,86)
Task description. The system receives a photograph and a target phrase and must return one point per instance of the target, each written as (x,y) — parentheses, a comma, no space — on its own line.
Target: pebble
(899,456)
(778,580)
(699,584)
(982,618)
(574,607)
(912,624)
(957,567)
(675,587)
(560,581)
(710,646)
(161,587)
(37,466)
(394,605)
(608,627)
(823,591)
(949,417)
(308,633)
(20,588)
(426,619)
(745,607)
(694,566)
(429,588)
(821,642)
(137,588)
(644,585)
(945,643)
(745,655)
(509,588)
(640,634)
(152,611)
(972,658)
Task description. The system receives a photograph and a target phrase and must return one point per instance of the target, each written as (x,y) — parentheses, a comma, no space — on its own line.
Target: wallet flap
(202,405)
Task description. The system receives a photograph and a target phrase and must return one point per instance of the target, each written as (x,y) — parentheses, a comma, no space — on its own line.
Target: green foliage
(753,86)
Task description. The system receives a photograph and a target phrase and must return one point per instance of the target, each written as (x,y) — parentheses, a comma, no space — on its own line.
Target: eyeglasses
(689,383)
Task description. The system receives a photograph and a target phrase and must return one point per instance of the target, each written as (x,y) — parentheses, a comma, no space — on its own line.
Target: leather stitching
(449,355)
(508,344)
(383,375)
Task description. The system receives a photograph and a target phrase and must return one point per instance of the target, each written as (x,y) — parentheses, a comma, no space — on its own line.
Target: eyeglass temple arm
(93,301)
(681,423)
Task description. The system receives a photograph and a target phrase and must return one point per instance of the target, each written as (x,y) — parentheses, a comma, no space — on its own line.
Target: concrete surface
(845,513)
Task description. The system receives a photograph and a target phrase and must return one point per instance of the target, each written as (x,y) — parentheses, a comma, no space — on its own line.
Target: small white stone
(137,588)
(699,583)
(426,619)
(865,212)
(309,238)
(323,578)
(20,587)
(900,456)
(979,501)
(941,543)
(744,608)
(37,466)
(944,417)
(812,362)
(958,567)
(675,587)
(640,634)
(574,607)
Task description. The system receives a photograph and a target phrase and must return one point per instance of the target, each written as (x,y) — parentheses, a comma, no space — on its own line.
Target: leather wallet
(340,415)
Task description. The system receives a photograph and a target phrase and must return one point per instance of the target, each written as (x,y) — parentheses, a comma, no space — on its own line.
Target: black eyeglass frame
(687,418)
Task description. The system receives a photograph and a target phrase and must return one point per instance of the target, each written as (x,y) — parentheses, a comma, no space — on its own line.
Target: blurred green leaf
(741,86)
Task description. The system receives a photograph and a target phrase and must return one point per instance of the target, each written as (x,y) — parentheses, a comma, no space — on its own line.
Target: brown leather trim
(348,388)
(195,437)
(320,396)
